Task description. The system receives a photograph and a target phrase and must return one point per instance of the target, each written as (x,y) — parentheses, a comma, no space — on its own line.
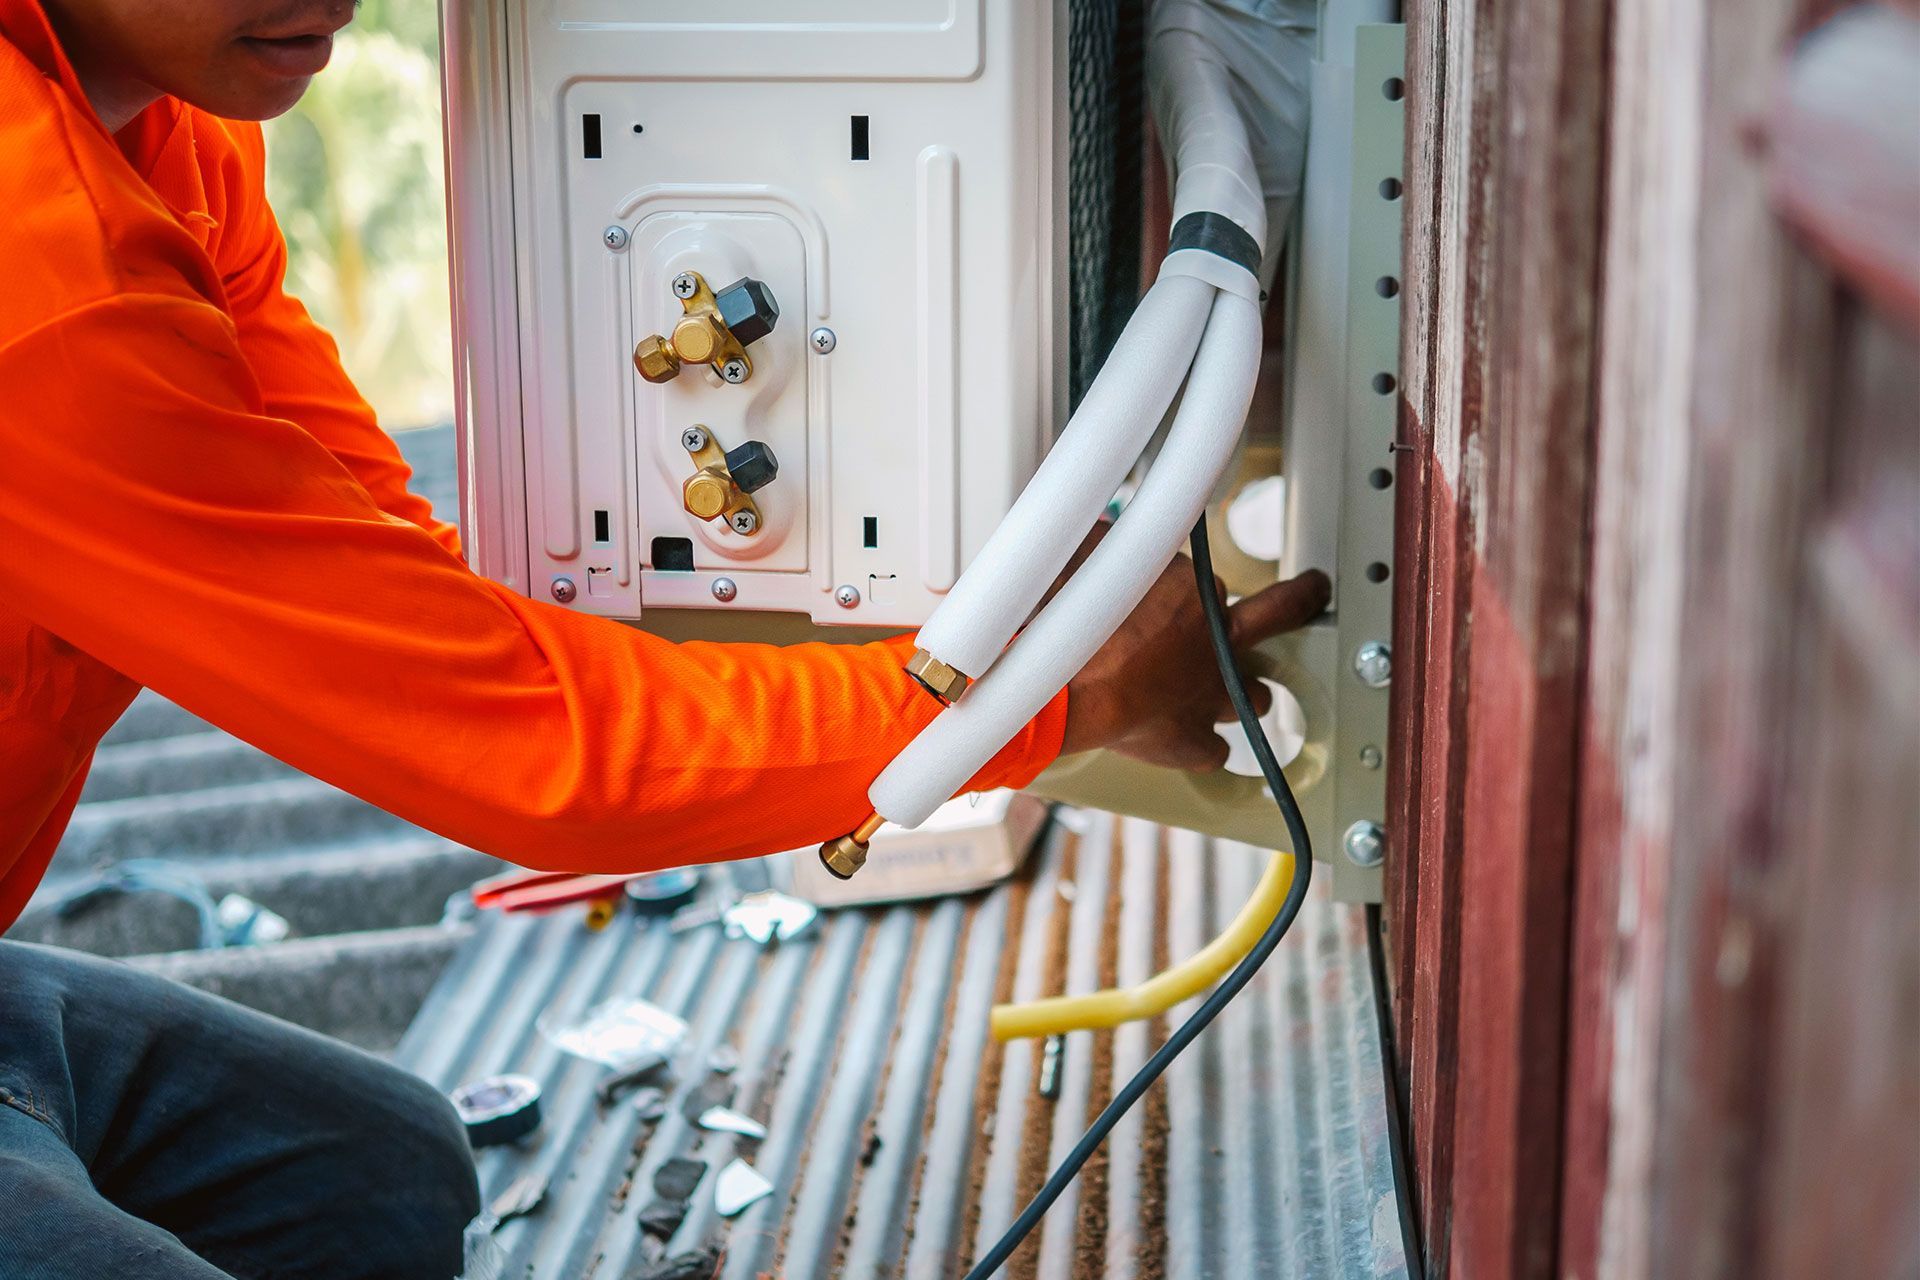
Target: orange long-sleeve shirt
(193,498)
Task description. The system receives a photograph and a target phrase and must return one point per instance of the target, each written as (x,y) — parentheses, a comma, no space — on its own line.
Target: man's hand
(1154,692)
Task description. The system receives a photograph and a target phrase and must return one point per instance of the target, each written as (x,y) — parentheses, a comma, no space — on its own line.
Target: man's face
(241,59)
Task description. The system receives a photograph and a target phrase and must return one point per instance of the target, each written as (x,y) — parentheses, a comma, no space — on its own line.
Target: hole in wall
(1387,287)
(639,128)
(1286,726)
(1395,88)
(860,138)
(675,555)
(590,136)
(1380,478)
(1378,572)
(1257,518)
(1389,188)
(1383,384)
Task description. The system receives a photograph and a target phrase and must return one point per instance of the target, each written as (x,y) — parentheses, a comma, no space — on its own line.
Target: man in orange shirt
(193,498)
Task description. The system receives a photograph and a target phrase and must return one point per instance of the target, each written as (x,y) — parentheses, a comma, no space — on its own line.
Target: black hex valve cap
(748,308)
(752,465)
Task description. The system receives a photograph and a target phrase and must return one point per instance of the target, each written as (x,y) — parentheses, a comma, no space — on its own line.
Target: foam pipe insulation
(1097,599)
(1079,474)
(1209,61)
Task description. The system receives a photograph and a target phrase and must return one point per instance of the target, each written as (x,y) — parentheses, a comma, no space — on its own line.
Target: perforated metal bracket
(1363,612)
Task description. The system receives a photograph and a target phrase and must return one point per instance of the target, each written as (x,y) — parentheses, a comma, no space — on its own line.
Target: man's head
(242,59)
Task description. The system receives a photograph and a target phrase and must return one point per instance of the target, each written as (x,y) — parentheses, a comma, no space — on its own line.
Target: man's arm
(153,514)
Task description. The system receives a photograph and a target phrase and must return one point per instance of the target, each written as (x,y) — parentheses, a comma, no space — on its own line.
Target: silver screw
(1374,664)
(724,590)
(684,285)
(1366,844)
(693,439)
(823,340)
(614,237)
(564,590)
(846,595)
(734,371)
(1370,757)
(744,522)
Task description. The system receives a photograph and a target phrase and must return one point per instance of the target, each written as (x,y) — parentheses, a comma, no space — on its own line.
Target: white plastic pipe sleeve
(1079,475)
(1078,620)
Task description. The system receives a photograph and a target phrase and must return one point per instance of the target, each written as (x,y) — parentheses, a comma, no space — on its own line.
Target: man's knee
(419,1153)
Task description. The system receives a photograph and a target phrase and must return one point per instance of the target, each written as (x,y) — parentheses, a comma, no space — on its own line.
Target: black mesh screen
(1106,86)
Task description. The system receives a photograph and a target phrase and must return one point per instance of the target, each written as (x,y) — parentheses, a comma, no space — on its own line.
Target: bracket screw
(822,340)
(846,595)
(1373,663)
(734,371)
(564,590)
(693,439)
(724,590)
(744,522)
(1370,757)
(1365,843)
(685,286)
(614,237)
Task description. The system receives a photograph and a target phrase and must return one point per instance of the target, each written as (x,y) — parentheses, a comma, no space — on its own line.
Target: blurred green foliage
(355,176)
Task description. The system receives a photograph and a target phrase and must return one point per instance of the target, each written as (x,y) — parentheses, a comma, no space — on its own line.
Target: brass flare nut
(842,857)
(655,359)
(847,854)
(936,677)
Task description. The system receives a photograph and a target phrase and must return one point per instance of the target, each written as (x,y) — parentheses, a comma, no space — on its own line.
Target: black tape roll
(498,1109)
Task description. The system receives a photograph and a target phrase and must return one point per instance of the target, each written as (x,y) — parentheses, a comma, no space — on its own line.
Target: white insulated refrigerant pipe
(1199,324)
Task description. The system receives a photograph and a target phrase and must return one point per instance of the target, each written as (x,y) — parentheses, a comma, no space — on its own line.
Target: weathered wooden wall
(1656,874)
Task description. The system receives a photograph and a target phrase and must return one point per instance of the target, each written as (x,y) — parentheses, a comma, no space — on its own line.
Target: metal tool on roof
(498,1109)
(654,892)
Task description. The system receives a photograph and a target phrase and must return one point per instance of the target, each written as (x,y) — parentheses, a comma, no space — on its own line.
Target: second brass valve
(723,479)
(714,329)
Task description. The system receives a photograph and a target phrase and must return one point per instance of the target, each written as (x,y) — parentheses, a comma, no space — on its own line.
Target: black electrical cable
(1396,1100)
(1216,611)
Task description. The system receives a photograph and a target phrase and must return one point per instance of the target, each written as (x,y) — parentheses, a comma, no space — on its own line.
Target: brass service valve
(722,481)
(713,329)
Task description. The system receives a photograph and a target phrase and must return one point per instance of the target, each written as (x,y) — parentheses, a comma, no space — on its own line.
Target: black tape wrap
(1219,235)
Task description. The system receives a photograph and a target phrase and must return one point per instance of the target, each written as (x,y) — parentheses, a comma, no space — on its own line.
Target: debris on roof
(899,1138)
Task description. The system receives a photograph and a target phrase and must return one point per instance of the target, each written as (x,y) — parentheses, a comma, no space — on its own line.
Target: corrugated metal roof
(901,1138)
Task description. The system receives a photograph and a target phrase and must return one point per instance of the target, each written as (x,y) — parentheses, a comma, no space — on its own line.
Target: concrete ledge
(293,811)
(188,762)
(363,987)
(383,884)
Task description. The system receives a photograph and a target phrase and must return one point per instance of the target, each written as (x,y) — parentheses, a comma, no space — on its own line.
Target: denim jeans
(148,1130)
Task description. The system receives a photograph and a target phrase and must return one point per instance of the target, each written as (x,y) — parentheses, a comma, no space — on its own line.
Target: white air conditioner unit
(767,310)
(892,172)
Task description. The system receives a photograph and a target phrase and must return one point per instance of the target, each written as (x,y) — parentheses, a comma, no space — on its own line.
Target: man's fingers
(1078,558)
(1257,690)
(1280,607)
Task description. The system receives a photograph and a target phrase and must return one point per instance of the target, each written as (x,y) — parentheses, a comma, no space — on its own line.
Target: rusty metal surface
(901,1139)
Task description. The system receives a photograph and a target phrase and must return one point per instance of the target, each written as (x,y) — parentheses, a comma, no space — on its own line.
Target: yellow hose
(1059,1014)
